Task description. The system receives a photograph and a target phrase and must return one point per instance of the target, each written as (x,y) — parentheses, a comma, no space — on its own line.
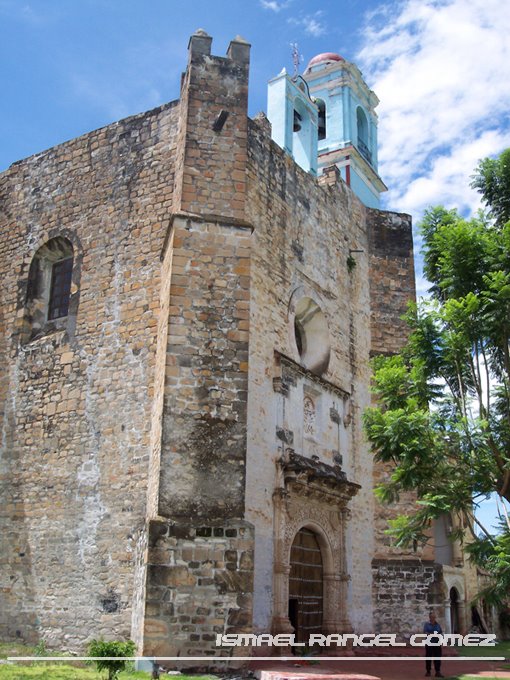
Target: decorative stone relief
(309,416)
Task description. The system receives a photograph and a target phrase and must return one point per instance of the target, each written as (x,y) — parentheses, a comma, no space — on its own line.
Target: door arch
(454,610)
(306,585)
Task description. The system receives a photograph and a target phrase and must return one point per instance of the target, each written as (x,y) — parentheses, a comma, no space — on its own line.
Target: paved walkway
(384,670)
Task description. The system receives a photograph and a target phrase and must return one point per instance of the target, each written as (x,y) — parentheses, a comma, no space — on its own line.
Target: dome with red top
(325,57)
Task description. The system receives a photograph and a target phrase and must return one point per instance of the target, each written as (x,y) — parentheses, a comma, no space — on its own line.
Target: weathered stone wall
(203,450)
(211,160)
(204,411)
(406,582)
(392,287)
(305,236)
(392,284)
(76,426)
(403,591)
(160,373)
(200,573)
(201,584)
(303,233)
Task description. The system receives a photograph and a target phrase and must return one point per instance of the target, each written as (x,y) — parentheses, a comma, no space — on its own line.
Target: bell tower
(347,124)
(293,116)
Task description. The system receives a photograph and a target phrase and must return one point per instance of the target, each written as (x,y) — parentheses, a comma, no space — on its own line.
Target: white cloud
(312,24)
(314,27)
(274,5)
(446,175)
(440,69)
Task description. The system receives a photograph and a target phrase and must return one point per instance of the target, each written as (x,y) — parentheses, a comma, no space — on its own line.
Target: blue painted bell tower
(294,119)
(338,109)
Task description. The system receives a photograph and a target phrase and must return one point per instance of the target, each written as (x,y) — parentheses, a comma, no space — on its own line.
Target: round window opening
(311,335)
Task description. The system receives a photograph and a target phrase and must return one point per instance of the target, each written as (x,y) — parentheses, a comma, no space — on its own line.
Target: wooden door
(305,585)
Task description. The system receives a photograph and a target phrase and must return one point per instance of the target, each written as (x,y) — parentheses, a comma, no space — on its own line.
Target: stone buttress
(199,553)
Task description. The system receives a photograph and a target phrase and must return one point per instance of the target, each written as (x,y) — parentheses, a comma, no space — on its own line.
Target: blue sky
(73,65)
(441,69)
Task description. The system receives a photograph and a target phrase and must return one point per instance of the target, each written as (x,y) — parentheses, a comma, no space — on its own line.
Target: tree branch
(487,534)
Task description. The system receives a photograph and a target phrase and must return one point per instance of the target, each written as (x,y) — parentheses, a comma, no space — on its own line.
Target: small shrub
(40,649)
(113,648)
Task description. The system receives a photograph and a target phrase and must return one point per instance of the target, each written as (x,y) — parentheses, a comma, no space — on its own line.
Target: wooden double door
(306,585)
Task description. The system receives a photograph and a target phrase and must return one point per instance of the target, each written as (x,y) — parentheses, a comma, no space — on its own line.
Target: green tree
(492,179)
(443,413)
(114,648)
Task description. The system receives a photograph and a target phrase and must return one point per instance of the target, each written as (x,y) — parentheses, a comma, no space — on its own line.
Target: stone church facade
(188,319)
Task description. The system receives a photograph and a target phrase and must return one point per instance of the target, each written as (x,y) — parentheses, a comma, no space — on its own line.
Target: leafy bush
(115,648)
(40,649)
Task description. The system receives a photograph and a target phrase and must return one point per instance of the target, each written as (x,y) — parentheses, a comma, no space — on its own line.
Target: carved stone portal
(313,495)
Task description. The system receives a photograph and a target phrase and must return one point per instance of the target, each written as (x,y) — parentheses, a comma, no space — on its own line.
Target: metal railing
(364,150)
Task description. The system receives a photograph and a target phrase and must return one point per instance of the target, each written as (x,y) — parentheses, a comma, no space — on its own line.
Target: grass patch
(61,671)
(15,649)
(470,677)
(501,649)
(64,671)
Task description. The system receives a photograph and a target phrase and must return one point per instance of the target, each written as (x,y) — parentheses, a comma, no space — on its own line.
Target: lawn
(501,649)
(77,670)
(470,677)
(61,671)
(15,649)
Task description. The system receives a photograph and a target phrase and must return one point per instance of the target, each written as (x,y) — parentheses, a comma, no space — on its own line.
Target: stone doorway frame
(308,500)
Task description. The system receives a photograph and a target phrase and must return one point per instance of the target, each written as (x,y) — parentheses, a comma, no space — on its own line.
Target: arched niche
(51,292)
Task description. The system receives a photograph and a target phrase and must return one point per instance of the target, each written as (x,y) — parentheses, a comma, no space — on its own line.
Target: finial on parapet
(200,43)
(239,50)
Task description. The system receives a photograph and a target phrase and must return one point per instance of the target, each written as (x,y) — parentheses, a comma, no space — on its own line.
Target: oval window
(311,335)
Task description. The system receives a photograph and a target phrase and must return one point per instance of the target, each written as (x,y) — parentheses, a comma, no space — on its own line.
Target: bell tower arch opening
(321,123)
(302,134)
(363,141)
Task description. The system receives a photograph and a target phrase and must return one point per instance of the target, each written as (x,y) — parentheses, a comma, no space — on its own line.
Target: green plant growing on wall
(351,263)
(114,648)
